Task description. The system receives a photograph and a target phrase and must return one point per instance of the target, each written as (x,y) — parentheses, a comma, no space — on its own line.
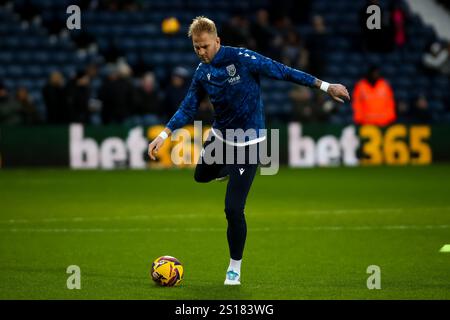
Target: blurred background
(131,62)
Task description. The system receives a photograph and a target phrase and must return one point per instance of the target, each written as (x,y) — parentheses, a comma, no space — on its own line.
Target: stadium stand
(34,45)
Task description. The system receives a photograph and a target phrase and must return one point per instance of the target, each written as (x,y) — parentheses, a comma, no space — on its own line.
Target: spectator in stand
(415,111)
(78,95)
(262,32)
(420,110)
(147,102)
(236,32)
(308,106)
(403,112)
(302,104)
(17,110)
(282,26)
(116,94)
(106,95)
(176,91)
(294,53)
(373,100)
(398,24)
(315,45)
(29,112)
(10,108)
(92,70)
(54,94)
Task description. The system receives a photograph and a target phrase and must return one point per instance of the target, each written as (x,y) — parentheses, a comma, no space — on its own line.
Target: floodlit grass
(311,234)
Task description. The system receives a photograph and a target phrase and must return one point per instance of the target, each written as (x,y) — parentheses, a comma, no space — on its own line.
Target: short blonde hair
(202,24)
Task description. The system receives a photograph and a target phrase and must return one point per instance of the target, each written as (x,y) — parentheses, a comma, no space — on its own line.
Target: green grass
(311,234)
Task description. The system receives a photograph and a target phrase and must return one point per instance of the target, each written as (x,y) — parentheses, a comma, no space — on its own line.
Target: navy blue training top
(232,82)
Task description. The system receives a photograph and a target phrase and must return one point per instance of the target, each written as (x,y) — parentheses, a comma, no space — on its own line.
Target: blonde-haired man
(231,78)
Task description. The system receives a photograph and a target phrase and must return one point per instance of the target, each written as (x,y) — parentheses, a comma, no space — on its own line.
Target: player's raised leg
(206,172)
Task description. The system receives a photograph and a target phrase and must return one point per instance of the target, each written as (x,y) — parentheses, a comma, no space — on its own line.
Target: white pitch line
(195,215)
(368,210)
(267,229)
(101,219)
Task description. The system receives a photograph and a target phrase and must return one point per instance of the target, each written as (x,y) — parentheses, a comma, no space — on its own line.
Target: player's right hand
(154,146)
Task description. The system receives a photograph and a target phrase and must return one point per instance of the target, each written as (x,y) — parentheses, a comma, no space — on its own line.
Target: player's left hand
(338,92)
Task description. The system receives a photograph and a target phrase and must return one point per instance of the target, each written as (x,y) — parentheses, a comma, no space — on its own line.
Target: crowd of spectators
(17,108)
(134,95)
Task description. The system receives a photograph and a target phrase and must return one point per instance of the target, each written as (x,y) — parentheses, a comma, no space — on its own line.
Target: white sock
(235,265)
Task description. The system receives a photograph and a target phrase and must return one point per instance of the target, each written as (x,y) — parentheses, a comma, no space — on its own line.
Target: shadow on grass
(203,291)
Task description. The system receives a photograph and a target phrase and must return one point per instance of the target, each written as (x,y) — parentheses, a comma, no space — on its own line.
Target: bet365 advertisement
(298,145)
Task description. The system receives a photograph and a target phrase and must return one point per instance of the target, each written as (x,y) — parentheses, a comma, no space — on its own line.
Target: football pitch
(312,234)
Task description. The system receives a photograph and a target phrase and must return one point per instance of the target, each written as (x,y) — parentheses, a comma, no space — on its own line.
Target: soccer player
(231,78)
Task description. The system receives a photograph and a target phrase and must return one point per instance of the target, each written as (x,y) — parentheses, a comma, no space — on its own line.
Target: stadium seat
(14,71)
(5,57)
(35,71)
